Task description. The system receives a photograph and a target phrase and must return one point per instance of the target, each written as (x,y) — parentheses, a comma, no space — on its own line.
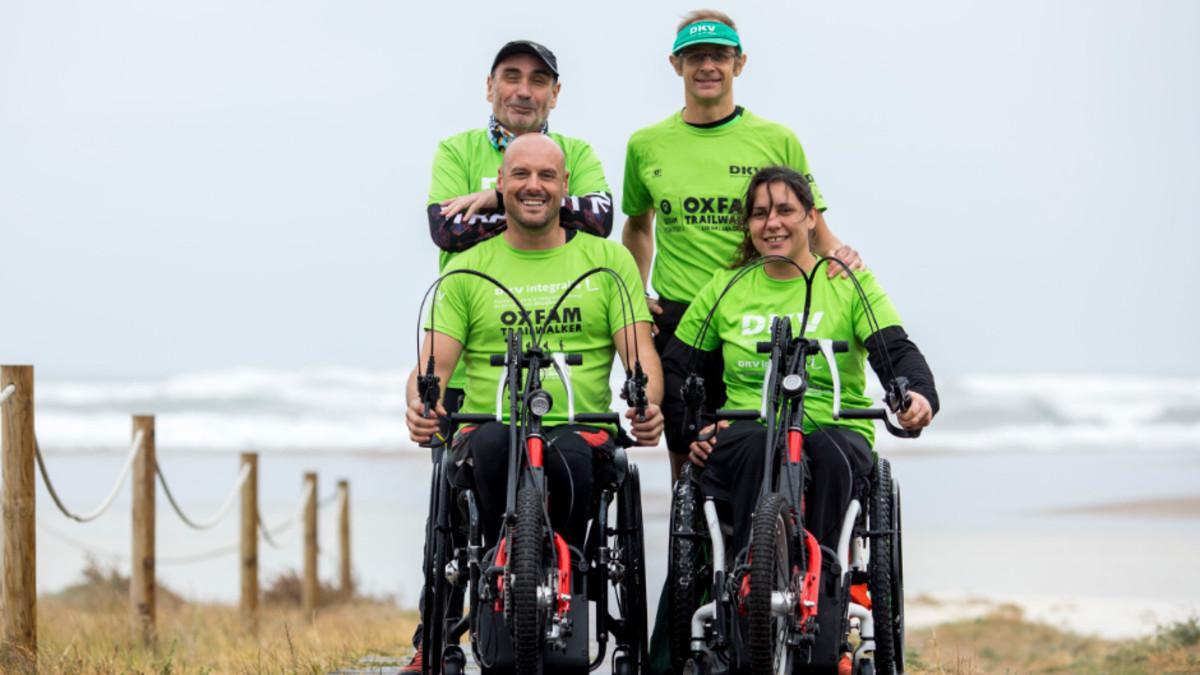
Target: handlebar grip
(840,346)
(863,414)
(497,359)
(574,359)
(598,418)
(733,415)
(763,347)
(472,418)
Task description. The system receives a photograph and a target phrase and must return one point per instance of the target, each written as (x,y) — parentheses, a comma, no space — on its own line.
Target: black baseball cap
(527,47)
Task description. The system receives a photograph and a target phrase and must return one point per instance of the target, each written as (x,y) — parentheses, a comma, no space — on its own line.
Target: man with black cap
(523,88)
(464,207)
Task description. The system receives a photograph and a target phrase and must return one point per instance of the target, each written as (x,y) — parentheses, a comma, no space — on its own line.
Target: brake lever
(898,400)
(693,394)
(634,391)
(429,388)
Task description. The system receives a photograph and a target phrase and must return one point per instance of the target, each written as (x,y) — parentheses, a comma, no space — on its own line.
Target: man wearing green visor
(684,181)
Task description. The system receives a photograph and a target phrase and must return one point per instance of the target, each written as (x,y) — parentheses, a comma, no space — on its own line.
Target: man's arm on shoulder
(591,213)
(460,232)
(459,217)
(589,206)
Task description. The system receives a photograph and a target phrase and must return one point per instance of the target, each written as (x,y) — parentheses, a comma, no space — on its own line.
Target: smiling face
(778,222)
(533,180)
(708,71)
(522,91)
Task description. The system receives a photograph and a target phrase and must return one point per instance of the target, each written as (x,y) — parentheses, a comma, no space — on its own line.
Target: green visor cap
(706,32)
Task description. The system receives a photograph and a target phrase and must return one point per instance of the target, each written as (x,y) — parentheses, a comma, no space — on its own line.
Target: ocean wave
(357,409)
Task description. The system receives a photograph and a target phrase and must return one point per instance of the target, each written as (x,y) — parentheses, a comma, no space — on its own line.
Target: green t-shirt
(475,312)
(468,162)
(743,319)
(695,179)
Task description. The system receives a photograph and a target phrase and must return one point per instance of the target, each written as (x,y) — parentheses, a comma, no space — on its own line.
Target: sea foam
(363,410)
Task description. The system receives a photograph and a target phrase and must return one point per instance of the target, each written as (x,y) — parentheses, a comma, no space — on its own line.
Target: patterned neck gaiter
(501,137)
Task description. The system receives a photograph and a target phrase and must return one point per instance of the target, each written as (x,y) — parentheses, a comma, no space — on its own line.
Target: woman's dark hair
(793,179)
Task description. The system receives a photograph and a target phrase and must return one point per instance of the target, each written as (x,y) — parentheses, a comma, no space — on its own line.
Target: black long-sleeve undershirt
(906,361)
(591,213)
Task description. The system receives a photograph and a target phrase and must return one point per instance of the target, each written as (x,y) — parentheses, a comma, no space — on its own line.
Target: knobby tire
(886,583)
(771,534)
(633,547)
(528,571)
(686,575)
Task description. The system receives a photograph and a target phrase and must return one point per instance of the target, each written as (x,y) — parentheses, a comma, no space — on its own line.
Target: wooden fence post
(344,538)
(18,592)
(249,540)
(308,593)
(141,583)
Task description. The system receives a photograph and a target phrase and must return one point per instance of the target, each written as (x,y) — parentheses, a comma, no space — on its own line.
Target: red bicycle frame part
(809,590)
(501,560)
(564,573)
(535,445)
(795,441)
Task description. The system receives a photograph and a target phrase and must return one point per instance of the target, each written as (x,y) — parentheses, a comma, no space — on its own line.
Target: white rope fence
(220,513)
(6,392)
(134,449)
(102,554)
(269,533)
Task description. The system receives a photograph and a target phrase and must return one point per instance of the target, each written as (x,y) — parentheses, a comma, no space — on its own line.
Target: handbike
(528,592)
(767,608)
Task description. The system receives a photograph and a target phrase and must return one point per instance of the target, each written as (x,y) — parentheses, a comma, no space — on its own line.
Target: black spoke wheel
(632,591)
(772,534)
(887,572)
(527,567)
(436,593)
(687,572)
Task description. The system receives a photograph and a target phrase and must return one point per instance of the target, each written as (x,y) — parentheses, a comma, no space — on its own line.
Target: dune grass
(1004,643)
(86,629)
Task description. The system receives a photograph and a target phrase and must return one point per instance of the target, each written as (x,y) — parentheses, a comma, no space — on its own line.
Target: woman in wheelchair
(727,322)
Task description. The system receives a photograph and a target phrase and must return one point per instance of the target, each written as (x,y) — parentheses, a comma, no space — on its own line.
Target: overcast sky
(198,185)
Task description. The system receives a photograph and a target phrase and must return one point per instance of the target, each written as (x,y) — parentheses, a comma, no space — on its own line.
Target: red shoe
(846,665)
(414,666)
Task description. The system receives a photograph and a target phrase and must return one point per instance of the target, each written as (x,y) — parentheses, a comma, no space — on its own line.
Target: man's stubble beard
(535,228)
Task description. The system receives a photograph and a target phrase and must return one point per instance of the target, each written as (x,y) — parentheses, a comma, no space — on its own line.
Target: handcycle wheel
(632,590)
(437,589)
(772,534)
(687,573)
(527,565)
(886,571)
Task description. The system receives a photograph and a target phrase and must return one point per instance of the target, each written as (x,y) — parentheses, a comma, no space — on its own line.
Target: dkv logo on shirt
(753,324)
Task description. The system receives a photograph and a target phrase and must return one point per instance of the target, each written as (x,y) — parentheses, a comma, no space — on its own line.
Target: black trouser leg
(567,461)
(734,474)
(711,369)
(569,472)
(835,459)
